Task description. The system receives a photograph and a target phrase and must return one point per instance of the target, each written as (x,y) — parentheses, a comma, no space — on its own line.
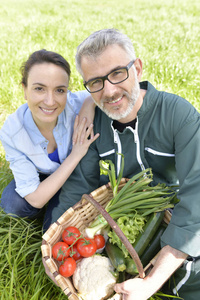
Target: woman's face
(46,93)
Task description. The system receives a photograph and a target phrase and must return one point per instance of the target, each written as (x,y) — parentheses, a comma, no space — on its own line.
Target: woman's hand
(84,137)
(87,112)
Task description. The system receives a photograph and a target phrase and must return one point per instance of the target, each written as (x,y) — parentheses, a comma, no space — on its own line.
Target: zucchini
(154,246)
(131,266)
(116,256)
(150,229)
(121,277)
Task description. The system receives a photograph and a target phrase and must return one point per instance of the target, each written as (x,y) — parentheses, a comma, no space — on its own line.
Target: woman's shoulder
(15,120)
(75,99)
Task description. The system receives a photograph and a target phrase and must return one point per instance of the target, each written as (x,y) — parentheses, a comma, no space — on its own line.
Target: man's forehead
(110,59)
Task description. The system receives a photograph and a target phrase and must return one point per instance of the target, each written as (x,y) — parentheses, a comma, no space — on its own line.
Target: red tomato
(70,234)
(60,251)
(74,253)
(99,240)
(68,267)
(86,247)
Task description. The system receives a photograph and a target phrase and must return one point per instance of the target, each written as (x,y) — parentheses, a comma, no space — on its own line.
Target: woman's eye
(61,91)
(38,88)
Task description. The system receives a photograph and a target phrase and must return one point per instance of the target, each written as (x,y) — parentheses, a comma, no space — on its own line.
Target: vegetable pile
(133,217)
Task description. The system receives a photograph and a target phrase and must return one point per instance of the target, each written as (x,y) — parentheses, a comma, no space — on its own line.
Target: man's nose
(109,88)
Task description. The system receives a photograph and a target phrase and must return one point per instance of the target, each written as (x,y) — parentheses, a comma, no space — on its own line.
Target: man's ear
(24,88)
(138,67)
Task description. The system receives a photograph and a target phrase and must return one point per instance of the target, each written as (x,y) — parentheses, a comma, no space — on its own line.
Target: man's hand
(134,289)
(169,260)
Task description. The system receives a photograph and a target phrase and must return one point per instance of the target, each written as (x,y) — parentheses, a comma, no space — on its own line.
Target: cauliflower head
(93,278)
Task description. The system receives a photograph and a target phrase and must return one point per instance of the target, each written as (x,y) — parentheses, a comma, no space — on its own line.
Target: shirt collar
(32,129)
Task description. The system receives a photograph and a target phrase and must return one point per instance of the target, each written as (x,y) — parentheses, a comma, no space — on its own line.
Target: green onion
(136,195)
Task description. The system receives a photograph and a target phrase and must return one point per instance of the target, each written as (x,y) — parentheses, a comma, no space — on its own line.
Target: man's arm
(169,260)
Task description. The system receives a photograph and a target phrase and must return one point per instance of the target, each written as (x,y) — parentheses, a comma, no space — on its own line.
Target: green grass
(22,275)
(166,38)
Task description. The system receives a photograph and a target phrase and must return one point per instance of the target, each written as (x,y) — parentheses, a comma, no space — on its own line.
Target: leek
(136,195)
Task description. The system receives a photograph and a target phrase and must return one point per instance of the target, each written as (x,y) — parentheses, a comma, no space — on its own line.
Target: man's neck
(121,126)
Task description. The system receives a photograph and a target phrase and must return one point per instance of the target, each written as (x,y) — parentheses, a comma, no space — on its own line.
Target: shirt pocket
(162,164)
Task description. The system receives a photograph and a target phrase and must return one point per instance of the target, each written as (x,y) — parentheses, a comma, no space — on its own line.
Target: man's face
(116,100)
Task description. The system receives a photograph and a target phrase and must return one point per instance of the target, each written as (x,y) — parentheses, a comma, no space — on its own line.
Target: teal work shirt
(166,139)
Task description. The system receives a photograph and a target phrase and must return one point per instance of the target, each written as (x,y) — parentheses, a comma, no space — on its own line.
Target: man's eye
(117,73)
(95,82)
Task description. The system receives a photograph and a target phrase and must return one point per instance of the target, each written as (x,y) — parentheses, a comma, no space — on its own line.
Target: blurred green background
(165,34)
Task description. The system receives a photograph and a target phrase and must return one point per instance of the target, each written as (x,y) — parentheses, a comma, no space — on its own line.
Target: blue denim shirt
(26,147)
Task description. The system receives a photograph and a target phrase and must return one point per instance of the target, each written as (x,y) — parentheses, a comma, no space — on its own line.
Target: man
(152,129)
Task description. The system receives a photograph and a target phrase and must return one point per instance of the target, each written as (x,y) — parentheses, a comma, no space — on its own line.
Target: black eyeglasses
(114,77)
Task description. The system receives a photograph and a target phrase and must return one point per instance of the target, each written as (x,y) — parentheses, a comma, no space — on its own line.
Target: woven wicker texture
(80,215)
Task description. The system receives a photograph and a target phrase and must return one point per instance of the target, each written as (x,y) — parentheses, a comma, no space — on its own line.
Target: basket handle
(119,233)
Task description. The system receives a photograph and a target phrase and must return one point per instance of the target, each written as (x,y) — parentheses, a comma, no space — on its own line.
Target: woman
(37,138)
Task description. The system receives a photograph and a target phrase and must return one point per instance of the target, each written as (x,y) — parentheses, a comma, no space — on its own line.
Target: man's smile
(113,101)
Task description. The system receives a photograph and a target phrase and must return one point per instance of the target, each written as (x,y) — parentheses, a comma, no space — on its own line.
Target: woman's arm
(48,187)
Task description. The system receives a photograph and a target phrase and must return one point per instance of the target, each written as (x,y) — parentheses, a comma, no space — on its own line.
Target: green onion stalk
(137,195)
(159,294)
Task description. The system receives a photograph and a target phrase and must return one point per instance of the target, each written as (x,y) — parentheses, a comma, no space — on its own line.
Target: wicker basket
(80,215)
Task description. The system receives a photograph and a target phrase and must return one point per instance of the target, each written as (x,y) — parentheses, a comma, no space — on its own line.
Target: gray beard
(132,98)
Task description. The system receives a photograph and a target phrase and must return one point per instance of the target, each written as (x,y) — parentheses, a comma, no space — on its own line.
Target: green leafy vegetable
(131,225)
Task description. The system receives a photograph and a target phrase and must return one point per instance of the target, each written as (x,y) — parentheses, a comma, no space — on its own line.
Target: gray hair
(98,41)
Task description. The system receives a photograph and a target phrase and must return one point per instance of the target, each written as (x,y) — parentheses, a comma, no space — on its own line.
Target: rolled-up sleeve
(24,171)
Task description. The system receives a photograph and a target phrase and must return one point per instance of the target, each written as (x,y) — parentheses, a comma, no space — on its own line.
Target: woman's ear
(138,67)
(25,93)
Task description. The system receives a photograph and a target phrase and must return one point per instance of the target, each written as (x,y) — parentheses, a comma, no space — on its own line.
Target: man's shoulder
(167,98)
(101,117)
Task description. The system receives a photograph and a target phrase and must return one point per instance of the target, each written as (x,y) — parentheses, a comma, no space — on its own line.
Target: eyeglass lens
(114,77)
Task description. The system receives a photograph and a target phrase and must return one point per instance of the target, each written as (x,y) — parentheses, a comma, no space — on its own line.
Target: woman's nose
(49,99)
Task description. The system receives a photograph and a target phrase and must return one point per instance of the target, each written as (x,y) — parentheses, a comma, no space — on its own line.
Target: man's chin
(116,115)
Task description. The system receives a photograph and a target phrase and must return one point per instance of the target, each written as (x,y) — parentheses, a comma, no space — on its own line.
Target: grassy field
(166,38)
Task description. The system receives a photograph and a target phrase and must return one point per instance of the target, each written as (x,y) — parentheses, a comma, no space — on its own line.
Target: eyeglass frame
(103,78)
